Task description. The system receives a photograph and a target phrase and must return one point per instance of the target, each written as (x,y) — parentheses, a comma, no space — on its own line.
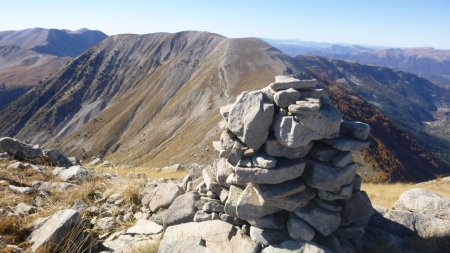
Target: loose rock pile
(285,167)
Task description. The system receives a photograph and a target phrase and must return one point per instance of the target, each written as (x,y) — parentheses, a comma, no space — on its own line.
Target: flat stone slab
(285,82)
(145,227)
(324,221)
(252,205)
(293,201)
(299,229)
(276,149)
(286,170)
(234,194)
(276,191)
(355,129)
(306,106)
(284,98)
(323,176)
(344,143)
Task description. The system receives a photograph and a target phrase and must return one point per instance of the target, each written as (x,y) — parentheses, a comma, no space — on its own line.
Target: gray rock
(245,162)
(266,237)
(236,153)
(106,223)
(172,168)
(121,242)
(285,82)
(295,247)
(202,216)
(95,162)
(55,230)
(342,159)
(74,161)
(23,190)
(3,212)
(284,98)
(227,140)
(234,194)
(355,129)
(275,149)
(53,186)
(213,206)
(143,226)
(251,205)
(346,144)
(230,219)
(276,191)
(209,178)
(298,229)
(207,236)
(322,176)
(17,165)
(323,152)
(345,192)
(223,171)
(306,106)
(19,149)
(159,217)
(223,195)
(298,131)
(73,173)
(57,158)
(423,225)
(24,209)
(333,205)
(286,170)
(357,182)
(264,161)
(272,221)
(182,209)
(324,221)
(225,110)
(425,202)
(250,118)
(291,202)
(357,209)
(164,195)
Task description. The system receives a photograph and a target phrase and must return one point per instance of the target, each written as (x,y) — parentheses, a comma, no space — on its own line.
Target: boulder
(286,170)
(207,236)
(19,149)
(298,229)
(143,226)
(57,158)
(324,221)
(55,230)
(325,177)
(182,209)
(355,129)
(284,98)
(286,82)
(425,202)
(295,247)
(275,149)
(164,195)
(250,117)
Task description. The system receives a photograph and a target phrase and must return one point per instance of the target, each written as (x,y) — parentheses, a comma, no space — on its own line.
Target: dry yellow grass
(386,195)
(149,172)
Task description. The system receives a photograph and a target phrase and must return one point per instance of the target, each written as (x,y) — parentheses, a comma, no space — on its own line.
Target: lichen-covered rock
(424,202)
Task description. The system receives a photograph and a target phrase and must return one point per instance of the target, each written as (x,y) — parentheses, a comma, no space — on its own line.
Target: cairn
(285,167)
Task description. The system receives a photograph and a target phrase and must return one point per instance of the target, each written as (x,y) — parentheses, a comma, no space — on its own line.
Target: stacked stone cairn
(285,169)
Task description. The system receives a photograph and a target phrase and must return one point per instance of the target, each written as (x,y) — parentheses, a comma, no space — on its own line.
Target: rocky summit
(284,181)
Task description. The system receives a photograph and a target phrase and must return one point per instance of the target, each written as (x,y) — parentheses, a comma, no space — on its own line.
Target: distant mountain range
(153,99)
(426,62)
(28,56)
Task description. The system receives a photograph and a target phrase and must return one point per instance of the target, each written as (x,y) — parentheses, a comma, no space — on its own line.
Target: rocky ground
(284,181)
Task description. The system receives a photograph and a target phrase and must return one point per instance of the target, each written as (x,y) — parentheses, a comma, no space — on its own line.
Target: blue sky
(399,23)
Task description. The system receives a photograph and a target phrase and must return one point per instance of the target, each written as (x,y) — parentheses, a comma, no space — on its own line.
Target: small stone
(298,229)
(106,223)
(323,152)
(307,106)
(22,190)
(245,162)
(355,129)
(332,205)
(24,209)
(275,149)
(251,205)
(230,219)
(144,226)
(234,194)
(272,221)
(213,206)
(285,82)
(182,209)
(266,237)
(344,193)
(236,153)
(264,161)
(202,216)
(276,191)
(284,98)
(322,176)
(291,202)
